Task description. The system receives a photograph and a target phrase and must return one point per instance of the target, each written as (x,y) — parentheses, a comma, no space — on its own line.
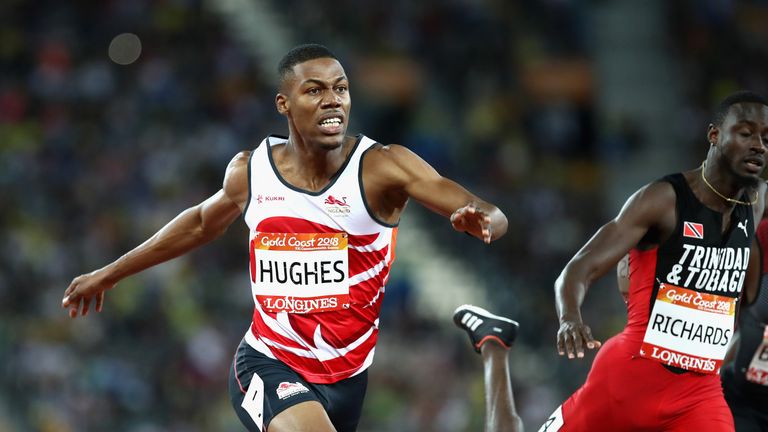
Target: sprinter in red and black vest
(689,237)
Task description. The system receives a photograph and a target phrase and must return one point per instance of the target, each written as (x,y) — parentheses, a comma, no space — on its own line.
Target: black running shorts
(268,387)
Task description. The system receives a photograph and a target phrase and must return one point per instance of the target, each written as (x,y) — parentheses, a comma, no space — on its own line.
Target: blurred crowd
(95,156)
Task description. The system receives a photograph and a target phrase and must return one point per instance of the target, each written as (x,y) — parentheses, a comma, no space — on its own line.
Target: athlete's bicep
(424,184)
(221,209)
(236,185)
(651,207)
(217,213)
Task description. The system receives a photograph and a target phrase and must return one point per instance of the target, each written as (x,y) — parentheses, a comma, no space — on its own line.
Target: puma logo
(743,226)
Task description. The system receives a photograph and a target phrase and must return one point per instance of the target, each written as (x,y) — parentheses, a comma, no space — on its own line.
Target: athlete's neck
(311,165)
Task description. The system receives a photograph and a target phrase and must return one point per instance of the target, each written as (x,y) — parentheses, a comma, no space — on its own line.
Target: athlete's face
(742,140)
(315,98)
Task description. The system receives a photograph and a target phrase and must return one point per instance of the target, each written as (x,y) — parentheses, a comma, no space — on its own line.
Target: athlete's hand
(573,336)
(472,220)
(84,289)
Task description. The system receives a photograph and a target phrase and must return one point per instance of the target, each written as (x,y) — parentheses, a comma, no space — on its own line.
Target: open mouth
(331,125)
(754,164)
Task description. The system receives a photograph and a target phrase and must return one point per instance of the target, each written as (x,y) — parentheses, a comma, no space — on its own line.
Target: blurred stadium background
(116,115)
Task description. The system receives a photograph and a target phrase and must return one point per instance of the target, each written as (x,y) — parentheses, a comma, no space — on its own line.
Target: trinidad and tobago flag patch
(693,230)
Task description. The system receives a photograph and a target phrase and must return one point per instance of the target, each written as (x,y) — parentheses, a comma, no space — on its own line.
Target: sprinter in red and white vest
(690,240)
(322,209)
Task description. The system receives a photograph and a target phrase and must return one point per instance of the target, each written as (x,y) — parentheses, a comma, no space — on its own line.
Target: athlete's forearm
(184,233)
(569,296)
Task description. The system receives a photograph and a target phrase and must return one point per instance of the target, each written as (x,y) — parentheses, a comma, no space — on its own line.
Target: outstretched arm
(192,228)
(652,206)
(397,174)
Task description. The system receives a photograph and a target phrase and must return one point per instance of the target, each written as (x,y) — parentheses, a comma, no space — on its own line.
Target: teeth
(331,122)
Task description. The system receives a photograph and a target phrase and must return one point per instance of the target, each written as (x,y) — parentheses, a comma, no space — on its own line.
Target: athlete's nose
(331,99)
(759,145)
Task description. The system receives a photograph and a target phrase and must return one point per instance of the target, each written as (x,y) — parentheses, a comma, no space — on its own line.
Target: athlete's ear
(713,134)
(282,104)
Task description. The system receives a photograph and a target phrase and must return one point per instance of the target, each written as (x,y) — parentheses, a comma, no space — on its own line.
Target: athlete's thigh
(712,415)
(344,401)
(303,417)
(261,389)
(252,423)
(721,423)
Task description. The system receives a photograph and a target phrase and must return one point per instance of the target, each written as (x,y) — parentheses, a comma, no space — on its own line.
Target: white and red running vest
(318,265)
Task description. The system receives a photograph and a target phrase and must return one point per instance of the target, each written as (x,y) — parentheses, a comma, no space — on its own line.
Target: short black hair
(300,54)
(744,96)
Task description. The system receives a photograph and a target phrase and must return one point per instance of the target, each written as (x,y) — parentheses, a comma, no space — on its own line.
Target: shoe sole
(481,312)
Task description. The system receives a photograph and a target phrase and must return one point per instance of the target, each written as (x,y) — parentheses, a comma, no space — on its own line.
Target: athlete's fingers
(458,219)
(86,306)
(99,301)
(590,340)
(70,298)
(562,344)
(578,343)
(569,344)
(68,295)
(485,229)
(73,308)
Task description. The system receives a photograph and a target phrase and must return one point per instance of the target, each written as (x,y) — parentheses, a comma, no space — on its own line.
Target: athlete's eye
(341,89)
(314,91)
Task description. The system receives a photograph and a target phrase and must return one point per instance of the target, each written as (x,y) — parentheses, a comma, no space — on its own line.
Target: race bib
(758,367)
(689,329)
(300,272)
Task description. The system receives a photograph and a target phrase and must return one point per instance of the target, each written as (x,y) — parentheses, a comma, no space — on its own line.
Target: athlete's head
(300,54)
(738,136)
(314,95)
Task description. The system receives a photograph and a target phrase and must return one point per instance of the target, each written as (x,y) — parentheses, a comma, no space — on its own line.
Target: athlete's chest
(702,256)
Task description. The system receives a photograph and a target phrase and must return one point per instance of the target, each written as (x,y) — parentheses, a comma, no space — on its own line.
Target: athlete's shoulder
(651,204)
(658,191)
(391,154)
(238,164)
(240,159)
(236,176)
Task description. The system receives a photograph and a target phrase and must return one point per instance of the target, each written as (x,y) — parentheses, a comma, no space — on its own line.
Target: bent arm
(450,199)
(651,207)
(643,210)
(406,175)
